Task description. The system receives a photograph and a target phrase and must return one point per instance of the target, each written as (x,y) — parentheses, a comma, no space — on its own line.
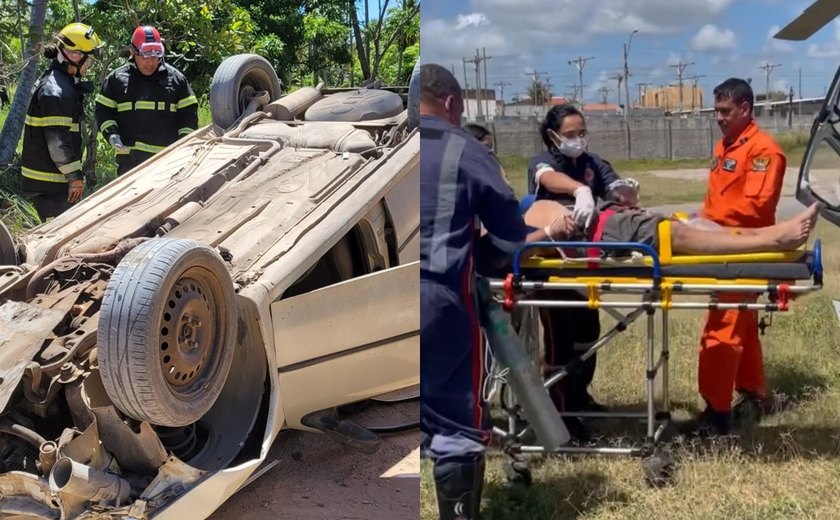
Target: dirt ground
(318,479)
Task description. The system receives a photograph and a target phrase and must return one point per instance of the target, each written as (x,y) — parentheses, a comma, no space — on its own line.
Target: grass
(786,466)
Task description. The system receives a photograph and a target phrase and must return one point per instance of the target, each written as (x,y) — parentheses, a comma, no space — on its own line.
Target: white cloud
(712,38)
(470,20)
(827,50)
(777,46)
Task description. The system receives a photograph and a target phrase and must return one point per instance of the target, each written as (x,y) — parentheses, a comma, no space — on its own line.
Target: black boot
(458,486)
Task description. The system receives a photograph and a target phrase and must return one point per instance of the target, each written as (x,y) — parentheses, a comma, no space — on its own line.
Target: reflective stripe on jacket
(148,112)
(52,134)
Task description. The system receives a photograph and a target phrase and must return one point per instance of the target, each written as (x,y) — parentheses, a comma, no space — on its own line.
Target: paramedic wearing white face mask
(568,173)
(571,175)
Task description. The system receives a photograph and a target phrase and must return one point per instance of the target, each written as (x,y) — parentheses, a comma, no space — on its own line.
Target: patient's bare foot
(794,232)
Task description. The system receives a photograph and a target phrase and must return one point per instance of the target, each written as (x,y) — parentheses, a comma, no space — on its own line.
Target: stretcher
(647,281)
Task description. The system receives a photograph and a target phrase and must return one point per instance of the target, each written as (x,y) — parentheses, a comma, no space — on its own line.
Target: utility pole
(790,108)
(680,66)
(477,61)
(501,86)
(627,76)
(768,69)
(547,92)
(618,77)
(641,93)
(695,78)
(484,59)
(466,88)
(537,86)
(580,63)
(800,90)
(604,91)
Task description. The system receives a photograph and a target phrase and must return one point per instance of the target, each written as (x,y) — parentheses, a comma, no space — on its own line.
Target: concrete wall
(647,138)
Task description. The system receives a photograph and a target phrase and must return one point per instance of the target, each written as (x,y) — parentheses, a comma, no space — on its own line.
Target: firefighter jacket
(148,112)
(52,136)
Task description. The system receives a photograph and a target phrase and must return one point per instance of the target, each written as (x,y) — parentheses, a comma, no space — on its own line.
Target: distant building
(668,98)
(480,104)
(602,109)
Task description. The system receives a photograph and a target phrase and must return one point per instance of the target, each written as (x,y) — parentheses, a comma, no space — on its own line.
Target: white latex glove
(584,207)
(117,143)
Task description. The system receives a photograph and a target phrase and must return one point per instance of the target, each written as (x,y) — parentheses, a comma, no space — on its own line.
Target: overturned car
(259,274)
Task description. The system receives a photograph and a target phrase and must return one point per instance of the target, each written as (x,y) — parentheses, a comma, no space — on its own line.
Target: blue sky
(722,38)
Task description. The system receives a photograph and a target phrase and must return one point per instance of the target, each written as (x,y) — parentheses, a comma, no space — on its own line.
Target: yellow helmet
(80,37)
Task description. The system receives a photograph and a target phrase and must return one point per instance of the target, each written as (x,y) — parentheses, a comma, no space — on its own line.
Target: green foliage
(196,39)
(327,53)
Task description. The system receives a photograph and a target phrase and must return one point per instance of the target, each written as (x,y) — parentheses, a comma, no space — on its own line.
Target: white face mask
(573,148)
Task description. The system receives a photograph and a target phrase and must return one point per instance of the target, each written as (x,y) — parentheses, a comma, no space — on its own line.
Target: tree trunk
(364,63)
(10,135)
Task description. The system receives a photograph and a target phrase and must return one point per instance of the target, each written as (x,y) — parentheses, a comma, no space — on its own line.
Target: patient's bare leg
(785,236)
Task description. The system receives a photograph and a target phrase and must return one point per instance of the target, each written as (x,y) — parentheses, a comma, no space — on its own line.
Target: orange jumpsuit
(745,184)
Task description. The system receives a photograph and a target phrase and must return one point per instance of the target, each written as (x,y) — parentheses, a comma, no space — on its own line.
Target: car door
(352,340)
(819,175)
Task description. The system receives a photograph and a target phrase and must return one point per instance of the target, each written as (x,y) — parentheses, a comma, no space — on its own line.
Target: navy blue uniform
(589,169)
(461,187)
(567,333)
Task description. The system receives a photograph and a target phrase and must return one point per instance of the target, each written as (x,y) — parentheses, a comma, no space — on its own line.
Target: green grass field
(785,467)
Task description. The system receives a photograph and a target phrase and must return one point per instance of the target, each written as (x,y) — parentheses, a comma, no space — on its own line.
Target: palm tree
(539,92)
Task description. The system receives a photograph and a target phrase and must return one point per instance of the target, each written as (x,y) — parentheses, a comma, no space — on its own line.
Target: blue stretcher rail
(637,246)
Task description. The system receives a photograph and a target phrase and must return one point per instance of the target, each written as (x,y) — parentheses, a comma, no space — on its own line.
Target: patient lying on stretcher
(616,223)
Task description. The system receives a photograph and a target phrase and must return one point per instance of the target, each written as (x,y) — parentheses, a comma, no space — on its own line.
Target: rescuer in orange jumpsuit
(745,183)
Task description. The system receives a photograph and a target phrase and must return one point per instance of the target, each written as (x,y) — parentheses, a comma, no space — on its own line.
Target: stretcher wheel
(659,469)
(517,472)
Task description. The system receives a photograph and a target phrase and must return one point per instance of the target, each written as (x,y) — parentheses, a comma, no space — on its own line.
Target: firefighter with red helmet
(145,105)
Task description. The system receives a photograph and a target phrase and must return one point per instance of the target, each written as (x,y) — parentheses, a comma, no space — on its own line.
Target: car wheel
(237,79)
(167,330)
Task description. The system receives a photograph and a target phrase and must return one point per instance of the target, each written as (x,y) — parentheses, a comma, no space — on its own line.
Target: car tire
(167,331)
(8,249)
(237,78)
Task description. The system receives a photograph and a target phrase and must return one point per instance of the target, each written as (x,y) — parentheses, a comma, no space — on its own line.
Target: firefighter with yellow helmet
(51,166)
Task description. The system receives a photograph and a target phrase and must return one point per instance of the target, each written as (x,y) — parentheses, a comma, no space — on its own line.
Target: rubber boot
(459,486)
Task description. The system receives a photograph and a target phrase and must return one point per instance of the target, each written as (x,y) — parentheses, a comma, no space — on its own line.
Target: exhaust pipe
(47,455)
(68,476)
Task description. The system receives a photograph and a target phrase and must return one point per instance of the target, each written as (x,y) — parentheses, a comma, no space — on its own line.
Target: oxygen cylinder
(522,377)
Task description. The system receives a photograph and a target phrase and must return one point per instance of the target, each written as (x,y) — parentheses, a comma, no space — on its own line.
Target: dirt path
(318,479)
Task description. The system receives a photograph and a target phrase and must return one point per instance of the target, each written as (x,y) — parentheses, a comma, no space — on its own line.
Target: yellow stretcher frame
(655,294)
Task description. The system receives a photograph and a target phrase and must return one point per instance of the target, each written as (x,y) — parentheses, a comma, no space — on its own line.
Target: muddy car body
(256,275)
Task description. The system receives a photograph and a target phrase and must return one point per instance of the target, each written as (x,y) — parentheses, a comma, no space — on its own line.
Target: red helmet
(146,42)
